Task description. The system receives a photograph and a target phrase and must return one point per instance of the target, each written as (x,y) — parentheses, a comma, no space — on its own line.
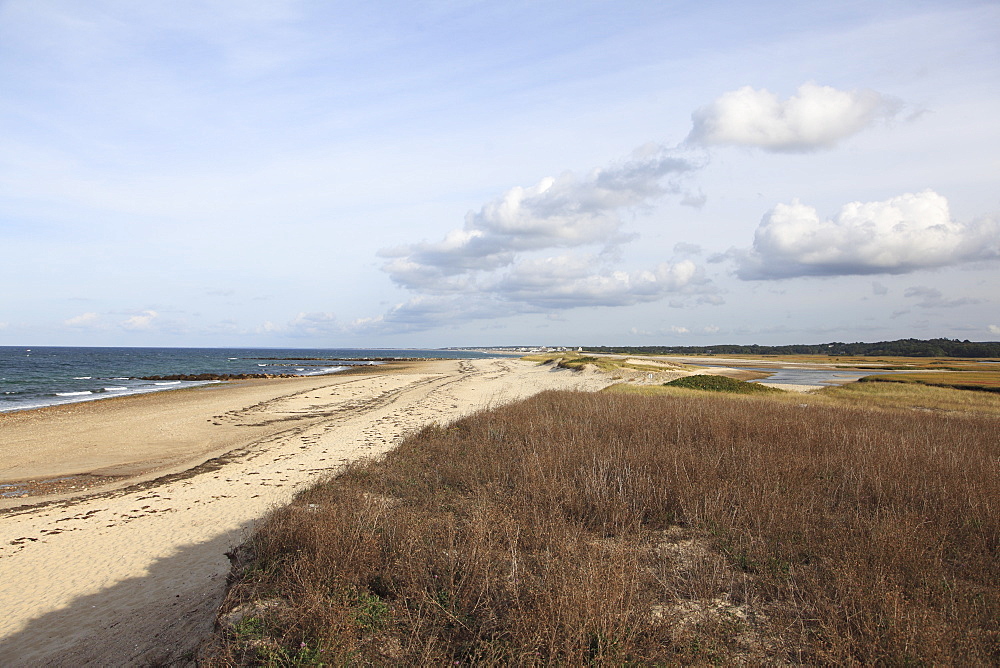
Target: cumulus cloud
(541,285)
(553,245)
(501,262)
(267,327)
(896,236)
(142,321)
(89,319)
(569,282)
(312,324)
(815,117)
(994,329)
(558,212)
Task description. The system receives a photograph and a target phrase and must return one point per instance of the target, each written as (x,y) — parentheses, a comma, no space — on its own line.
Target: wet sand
(112,545)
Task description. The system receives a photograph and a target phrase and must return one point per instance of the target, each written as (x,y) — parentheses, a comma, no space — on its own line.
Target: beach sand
(123,561)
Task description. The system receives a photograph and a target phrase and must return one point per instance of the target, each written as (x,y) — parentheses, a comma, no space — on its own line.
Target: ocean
(32,377)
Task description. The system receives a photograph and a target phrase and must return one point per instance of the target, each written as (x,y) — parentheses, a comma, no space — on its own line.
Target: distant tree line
(900,348)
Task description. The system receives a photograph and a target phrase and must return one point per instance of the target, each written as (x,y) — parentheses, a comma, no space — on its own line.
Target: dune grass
(578,362)
(711,383)
(610,529)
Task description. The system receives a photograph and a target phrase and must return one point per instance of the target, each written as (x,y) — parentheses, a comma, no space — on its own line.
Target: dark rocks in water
(217,376)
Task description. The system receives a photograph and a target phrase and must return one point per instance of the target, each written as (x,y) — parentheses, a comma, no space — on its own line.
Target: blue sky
(475,173)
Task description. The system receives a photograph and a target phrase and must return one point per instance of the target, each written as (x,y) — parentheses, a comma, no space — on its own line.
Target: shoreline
(177,429)
(133,572)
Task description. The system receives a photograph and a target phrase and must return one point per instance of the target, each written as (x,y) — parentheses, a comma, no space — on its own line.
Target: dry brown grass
(609,528)
(914,397)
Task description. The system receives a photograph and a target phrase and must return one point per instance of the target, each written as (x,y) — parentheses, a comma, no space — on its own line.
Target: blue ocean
(46,376)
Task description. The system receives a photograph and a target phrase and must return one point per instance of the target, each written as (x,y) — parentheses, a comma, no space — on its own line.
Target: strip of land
(120,512)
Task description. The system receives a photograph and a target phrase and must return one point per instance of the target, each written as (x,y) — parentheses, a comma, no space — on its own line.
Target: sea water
(32,377)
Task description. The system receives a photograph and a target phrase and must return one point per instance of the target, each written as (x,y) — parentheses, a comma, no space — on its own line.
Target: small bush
(720,384)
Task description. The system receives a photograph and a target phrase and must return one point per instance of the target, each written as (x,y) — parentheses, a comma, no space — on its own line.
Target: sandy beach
(116,552)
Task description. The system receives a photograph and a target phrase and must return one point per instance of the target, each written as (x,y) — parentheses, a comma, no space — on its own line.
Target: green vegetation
(900,348)
(578,362)
(984,381)
(713,383)
(912,396)
(675,529)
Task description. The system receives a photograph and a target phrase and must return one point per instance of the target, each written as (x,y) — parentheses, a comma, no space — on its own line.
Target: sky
(298,173)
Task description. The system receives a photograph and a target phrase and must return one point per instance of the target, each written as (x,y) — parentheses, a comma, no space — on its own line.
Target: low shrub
(713,383)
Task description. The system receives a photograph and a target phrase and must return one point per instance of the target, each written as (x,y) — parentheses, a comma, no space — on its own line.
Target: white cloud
(142,321)
(492,267)
(569,282)
(540,285)
(267,327)
(311,324)
(558,212)
(895,236)
(677,329)
(89,319)
(994,329)
(816,117)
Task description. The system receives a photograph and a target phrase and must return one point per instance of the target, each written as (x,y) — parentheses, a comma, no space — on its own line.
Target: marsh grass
(986,381)
(610,528)
(912,396)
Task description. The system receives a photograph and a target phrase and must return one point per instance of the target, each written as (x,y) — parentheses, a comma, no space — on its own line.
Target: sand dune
(133,573)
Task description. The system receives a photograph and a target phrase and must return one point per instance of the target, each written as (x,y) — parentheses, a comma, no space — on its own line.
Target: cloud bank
(903,234)
(558,212)
(522,252)
(816,117)
(555,245)
(501,262)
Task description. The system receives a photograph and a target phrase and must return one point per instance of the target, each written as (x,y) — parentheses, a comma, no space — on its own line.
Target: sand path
(134,576)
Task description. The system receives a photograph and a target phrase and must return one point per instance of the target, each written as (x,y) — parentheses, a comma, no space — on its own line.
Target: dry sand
(127,566)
